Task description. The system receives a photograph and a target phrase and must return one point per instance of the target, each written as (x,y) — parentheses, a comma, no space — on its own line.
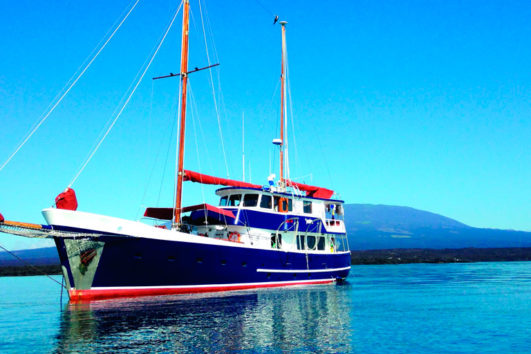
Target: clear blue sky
(414,103)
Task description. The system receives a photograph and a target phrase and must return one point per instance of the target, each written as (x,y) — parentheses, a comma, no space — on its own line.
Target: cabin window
(250,200)
(266,201)
(276,241)
(340,211)
(300,242)
(223,201)
(321,244)
(328,211)
(307,207)
(235,200)
(287,204)
(334,211)
(310,240)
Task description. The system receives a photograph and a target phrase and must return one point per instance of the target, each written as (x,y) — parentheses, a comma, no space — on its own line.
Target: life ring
(234,234)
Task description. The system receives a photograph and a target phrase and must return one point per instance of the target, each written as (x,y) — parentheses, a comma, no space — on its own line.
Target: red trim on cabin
(99,294)
(210,208)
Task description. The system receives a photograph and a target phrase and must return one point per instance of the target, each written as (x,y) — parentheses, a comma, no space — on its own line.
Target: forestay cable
(195,117)
(288,84)
(129,97)
(69,88)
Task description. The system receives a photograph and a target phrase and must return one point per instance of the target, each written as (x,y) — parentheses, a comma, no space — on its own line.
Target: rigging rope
(69,88)
(128,98)
(176,175)
(166,162)
(288,84)
(150,123)
(213,91)
(32,266)
(194,112)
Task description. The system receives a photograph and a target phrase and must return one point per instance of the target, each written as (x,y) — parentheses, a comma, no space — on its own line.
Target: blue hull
(122,266)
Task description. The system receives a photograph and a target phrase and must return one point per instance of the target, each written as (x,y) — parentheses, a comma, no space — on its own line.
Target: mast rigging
(282,89)
(184,81)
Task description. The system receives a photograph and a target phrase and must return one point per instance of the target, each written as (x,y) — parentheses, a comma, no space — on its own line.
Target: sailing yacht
(280,234)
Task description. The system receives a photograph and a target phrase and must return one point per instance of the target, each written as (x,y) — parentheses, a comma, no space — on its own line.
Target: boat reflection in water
(315,318)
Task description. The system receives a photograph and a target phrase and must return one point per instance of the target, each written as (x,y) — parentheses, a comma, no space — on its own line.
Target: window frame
(243,202)
(226,197)
(314,247)
(231,199)
(263,196)
(321,243)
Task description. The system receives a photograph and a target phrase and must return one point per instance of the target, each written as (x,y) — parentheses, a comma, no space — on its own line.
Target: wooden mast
(184,80)
(282,83)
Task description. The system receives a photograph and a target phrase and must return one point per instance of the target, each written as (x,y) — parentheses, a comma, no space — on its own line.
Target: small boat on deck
(283,233)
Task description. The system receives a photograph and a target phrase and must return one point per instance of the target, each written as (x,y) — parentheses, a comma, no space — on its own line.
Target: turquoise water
(443,308)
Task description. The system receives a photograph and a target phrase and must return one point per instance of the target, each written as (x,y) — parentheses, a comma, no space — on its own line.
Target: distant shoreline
(368,257)
(459,255)
(14,271)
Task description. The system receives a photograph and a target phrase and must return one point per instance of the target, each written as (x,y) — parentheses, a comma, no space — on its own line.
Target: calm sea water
(444,308)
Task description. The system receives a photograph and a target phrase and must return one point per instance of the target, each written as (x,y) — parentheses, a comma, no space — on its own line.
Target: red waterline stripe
(98,294)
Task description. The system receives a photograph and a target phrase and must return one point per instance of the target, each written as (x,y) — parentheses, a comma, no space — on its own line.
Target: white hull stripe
(208,285)
(261,270)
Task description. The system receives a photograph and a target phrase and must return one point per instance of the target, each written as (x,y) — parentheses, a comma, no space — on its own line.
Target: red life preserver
(233,233)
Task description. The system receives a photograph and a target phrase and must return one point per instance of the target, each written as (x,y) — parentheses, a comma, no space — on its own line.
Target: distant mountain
(388,227)
(36,257)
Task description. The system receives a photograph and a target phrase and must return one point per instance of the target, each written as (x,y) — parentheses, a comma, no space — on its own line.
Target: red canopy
(167,213)
(206,179)
(312,191)
(208,207)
